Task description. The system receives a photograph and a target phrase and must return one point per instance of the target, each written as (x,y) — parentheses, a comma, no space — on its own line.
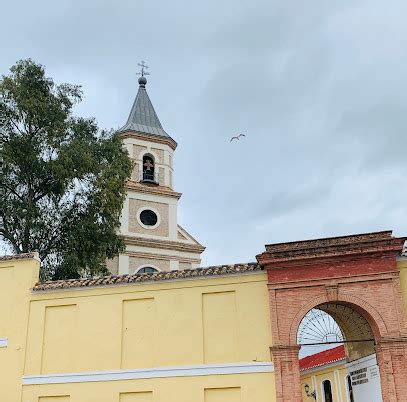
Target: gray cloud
(318,88)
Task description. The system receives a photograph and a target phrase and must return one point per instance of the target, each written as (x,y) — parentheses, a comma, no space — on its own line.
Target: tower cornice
(150,137)
(156,190)
(165,244)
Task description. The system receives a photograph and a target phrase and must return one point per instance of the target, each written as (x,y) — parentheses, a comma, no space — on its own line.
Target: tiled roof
(142,117)
(334,246)
(331,241)
(18,256)
(149,277)
(325,357)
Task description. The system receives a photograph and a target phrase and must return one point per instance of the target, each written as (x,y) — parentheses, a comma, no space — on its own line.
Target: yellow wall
(207,321)
(157,324)
(221,388)
(149,325)
(402,264)
(16,279)
(314,378)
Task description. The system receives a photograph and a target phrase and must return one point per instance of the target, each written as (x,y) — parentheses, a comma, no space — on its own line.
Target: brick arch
(372,316)
(358,271)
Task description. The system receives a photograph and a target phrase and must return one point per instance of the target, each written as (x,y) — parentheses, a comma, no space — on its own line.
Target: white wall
(365,379)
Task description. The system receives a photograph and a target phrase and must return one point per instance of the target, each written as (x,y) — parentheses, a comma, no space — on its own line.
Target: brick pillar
(287,373)
(392,361)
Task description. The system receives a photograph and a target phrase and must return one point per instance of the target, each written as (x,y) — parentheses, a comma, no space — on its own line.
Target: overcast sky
(319,88)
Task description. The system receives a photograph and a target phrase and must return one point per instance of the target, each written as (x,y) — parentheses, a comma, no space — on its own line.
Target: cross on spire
(143,68)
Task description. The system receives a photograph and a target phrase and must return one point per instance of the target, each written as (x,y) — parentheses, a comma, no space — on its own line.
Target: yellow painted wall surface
(150,325)
(140,334)
(59,333)
(402,264)
(314,378)
(62,398)
(192,323)
(16,279)
(222,395)
(247,387)
(136,397)
(219,327)
(189,323)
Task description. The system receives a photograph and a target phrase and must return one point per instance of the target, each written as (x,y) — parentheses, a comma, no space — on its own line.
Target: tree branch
(10,238)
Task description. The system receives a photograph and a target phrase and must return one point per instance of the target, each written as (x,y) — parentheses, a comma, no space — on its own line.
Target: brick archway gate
(358,271)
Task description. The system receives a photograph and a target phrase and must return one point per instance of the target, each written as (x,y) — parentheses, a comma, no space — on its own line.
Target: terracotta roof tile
(149,277)
(18,256)
(325,357)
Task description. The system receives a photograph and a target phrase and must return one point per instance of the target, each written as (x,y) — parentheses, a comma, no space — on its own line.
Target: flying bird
(237,137)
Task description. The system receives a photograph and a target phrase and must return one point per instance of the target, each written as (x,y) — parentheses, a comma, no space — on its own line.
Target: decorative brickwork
(135,174)
(134,225)
(359,272)
(113,265)
(160,155)
(287,372)
(136,262)
(161,176)
(137,150)
(185,265)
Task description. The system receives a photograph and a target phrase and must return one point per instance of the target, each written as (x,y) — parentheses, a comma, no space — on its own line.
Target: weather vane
(143,68)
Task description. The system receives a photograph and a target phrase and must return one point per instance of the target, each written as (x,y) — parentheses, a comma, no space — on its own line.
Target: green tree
(61,181)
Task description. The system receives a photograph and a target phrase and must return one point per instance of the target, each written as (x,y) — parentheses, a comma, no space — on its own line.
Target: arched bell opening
(149,171)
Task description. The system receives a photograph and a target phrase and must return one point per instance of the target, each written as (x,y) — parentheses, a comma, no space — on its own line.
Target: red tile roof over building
(325,357)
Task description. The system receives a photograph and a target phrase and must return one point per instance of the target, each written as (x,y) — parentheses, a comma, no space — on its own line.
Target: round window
(148,217)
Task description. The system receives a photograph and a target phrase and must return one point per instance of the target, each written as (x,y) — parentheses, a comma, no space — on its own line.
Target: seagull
(237,137)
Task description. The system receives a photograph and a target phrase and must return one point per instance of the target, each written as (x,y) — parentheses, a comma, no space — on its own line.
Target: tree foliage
(61,182)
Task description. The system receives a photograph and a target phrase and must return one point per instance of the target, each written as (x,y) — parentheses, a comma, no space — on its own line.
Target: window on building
(148,217)
(147,270)
(327,390)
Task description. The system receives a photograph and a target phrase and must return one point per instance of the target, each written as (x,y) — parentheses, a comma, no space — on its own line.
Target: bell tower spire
(142,118)
(153,238)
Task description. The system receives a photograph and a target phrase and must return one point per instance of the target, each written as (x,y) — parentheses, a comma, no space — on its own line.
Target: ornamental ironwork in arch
(333,323)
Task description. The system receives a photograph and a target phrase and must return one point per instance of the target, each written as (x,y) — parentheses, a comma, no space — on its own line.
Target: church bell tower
(154,240)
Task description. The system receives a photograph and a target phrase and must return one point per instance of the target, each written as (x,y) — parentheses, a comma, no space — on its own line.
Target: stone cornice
(331,249)
(148,373)
(156,190)
(330,241)
(163,244)
(332,280)
(161,257)
(150,137)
